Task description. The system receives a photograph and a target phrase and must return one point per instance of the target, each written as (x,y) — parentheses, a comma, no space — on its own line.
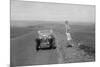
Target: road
(23,52)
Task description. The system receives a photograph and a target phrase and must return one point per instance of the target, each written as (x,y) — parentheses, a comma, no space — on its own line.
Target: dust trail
(59,50)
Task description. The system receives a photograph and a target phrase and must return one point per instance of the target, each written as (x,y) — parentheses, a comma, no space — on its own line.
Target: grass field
(23,43)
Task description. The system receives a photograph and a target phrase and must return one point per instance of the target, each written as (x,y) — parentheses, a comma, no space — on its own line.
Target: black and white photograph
(45,33)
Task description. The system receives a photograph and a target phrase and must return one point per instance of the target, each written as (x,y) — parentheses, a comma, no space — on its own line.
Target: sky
(28,10)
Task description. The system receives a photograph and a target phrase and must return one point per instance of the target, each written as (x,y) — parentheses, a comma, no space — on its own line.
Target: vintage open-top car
(46,40)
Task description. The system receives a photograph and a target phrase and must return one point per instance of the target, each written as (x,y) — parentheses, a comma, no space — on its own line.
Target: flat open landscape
(23,45)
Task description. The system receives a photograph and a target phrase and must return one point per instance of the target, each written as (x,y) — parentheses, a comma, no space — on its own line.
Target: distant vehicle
(46,40)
